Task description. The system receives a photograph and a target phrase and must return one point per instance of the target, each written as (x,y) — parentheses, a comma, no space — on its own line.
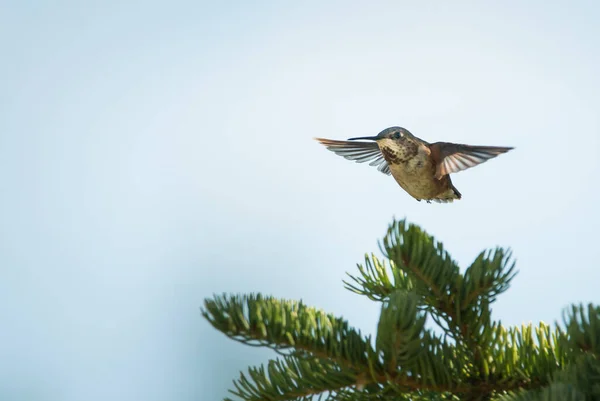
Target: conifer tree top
(474,357)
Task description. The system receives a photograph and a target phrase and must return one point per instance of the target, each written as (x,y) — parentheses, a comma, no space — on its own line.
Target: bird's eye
(397,135)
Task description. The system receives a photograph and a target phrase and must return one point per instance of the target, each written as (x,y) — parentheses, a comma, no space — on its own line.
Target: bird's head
(389,136)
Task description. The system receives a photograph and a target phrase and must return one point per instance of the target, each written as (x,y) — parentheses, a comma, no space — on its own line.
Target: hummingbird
(421,168)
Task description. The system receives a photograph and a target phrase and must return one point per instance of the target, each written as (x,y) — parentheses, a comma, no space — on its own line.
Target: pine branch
(399,331)
(487,277)
(411,351)
(292,379)
(554,392)
(579,381)
(312,380)
(459,304)
(432,271)
(328,354)
(522,357)
(335,356)
(418,262)
(583,328)
(476,359)
(282,324)
(576,373)
(326,340)
(375,280)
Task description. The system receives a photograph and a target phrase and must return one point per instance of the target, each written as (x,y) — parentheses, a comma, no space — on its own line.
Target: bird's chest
(411,160)
(413,169)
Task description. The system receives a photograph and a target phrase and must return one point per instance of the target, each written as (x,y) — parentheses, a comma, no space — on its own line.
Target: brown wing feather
(359,152)
(452,157)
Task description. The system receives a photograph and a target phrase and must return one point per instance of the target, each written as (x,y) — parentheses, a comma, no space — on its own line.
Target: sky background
(154,153)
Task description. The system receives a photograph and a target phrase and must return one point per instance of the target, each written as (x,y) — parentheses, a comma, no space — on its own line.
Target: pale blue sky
(153,153)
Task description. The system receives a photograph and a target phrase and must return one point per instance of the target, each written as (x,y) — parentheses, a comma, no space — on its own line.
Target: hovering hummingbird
(422,169)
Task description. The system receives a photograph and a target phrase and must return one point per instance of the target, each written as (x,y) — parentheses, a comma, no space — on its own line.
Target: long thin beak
(370,138)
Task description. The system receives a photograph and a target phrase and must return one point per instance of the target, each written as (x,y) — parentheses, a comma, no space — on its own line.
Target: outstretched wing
(452,158)
(359,152)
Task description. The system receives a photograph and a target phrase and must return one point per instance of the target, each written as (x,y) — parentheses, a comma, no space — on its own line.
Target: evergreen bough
(472,358)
